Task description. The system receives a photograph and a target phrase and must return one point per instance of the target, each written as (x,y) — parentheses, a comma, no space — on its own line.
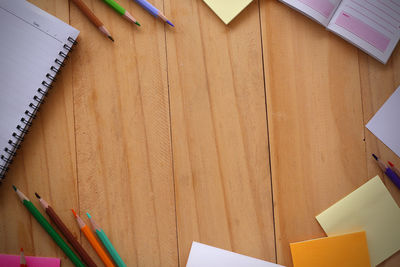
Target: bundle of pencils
(66,232)
(120,10)
(70,237)
(93,241)
(49,229)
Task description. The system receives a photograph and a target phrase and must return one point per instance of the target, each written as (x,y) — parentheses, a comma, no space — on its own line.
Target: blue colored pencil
(154,11)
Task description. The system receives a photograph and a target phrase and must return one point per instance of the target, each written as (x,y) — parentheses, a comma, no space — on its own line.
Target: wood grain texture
(315,121)
(46,164)
(235,136)
(219,131)
(123,136)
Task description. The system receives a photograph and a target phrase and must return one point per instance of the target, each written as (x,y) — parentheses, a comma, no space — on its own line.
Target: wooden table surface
(234,136)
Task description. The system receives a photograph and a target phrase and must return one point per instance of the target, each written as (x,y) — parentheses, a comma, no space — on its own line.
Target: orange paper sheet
(347,250)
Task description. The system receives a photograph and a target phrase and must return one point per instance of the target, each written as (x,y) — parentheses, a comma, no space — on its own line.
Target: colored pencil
(92,17)
(122,11)
(93,241)
(106,242)
(22,261)
(154,11)
(389,173)
(397,171)
(66,232)
(49,229)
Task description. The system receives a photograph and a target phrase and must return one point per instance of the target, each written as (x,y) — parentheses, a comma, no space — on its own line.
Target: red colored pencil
(397,171)
(22,261)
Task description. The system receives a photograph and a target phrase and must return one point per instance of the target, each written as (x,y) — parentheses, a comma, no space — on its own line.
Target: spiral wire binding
(8,153)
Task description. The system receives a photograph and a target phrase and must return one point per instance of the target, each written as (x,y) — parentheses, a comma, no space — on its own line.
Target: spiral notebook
(34,45)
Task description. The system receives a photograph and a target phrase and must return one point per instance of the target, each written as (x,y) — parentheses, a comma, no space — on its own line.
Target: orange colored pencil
(93,241)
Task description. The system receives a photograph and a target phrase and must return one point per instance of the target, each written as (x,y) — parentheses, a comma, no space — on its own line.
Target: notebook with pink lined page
(371,25)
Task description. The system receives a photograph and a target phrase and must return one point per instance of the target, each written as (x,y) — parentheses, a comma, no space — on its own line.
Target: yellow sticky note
(372,209)
(227,10)
(348,250)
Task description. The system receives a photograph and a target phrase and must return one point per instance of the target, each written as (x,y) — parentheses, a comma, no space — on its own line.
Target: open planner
(371,25)
(34,45)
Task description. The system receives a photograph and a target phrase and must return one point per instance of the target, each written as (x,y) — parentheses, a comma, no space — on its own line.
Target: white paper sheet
(206,256)
(386,123)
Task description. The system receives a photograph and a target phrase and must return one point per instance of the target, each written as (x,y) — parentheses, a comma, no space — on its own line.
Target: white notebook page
(385,123)
(318,10)
(31,40)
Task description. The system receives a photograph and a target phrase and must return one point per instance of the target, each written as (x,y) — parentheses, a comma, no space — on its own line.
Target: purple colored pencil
(388,171)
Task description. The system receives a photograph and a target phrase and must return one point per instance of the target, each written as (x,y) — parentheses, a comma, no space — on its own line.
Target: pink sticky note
(13,260)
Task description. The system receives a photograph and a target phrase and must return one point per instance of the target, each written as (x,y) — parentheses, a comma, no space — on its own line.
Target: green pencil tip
(15,189)
(87,213)
(137,23)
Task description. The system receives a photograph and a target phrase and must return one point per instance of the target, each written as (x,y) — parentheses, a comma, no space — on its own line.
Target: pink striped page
(363,30)
(324,7)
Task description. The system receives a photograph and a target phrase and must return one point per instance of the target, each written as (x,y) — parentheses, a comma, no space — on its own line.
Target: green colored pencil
(122,11)
(49,229)
(106,242)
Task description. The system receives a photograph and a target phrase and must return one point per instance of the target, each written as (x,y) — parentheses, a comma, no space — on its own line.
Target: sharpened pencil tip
(170,23)
(391,164)
(137,23)
(76,216)
(15,189)
(110,37)
(375,157)
(37,195)
(87,213)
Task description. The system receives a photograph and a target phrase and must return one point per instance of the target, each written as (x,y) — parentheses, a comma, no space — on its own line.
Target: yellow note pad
(372,209)
(347,250)
(227,10)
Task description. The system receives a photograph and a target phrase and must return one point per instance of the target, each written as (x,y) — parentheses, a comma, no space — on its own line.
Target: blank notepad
(33,47)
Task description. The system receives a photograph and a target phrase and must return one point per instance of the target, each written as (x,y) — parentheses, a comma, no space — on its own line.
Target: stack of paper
(206,256)
(348,250)
(372,209)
